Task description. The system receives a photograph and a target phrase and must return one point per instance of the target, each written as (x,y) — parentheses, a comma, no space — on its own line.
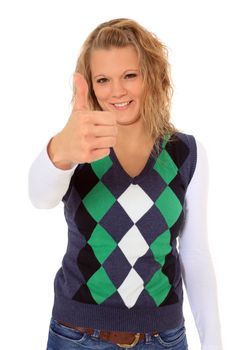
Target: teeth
(121,104)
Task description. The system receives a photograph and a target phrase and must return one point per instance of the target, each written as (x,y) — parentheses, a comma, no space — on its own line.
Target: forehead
(110,61)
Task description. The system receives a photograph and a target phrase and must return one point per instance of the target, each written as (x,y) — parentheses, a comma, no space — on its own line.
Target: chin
(129,121)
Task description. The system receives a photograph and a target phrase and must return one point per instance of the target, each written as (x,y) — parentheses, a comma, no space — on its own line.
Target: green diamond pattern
(101,166)
(98,201)
(166,167)
(100,286)
(102,243)
(169,206)
(158,287)
(161,247)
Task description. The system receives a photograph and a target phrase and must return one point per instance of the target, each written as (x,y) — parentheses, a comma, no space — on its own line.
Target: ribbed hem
(116,319)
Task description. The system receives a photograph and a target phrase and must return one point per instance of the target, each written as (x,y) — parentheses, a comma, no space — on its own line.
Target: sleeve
(47,184)
(196,263)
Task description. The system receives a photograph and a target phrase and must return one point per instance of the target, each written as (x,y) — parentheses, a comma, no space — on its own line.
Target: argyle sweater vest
(121,270)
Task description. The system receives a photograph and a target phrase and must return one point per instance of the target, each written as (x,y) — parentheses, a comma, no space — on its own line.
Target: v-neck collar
(149,164)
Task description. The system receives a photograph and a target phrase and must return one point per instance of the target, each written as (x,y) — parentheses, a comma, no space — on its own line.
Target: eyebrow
(127,70)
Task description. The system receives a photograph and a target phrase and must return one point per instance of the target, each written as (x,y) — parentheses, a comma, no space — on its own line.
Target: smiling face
(117,82)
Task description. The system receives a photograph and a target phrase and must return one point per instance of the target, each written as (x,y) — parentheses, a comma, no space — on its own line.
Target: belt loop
(96,333)
(148,339)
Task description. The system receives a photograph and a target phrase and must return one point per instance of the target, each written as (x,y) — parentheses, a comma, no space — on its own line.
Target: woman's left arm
(197,267)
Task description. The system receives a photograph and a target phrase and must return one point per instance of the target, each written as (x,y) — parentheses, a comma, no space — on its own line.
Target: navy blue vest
(121,270)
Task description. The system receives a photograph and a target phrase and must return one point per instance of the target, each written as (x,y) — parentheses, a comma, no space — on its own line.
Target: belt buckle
(129,346)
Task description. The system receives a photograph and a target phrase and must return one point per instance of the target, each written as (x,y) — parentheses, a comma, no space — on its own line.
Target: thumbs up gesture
(87,136)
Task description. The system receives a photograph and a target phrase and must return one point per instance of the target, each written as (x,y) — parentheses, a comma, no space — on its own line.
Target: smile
(122,105)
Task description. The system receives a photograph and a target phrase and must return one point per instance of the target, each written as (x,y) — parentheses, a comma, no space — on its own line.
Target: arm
(87,137)
(47,183)
(197,268)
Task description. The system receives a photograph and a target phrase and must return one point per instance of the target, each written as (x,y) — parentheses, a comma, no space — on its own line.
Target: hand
(87,136)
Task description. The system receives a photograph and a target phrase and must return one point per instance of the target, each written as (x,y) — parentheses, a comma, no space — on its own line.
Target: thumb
(81,93)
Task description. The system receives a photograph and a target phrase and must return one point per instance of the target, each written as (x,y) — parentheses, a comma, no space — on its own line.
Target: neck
(133,135)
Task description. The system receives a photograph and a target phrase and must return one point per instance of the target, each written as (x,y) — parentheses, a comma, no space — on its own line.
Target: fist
(87,136)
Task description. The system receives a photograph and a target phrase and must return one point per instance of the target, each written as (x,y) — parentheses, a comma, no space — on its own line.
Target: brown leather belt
(122,339)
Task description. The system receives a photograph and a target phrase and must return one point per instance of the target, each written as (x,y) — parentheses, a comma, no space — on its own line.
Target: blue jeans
(65,338)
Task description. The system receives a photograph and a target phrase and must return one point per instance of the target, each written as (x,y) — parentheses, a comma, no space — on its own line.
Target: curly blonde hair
(154,65)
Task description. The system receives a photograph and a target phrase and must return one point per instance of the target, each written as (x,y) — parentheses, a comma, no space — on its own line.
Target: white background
(39,45)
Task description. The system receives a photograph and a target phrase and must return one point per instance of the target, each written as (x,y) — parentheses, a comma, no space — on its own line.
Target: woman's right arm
(87,137)
(47,183)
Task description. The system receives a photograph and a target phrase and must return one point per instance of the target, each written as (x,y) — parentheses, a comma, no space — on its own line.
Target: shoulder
(187,139)
(183,148)
(197,160)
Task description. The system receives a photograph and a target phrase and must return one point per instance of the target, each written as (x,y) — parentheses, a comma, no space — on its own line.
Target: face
(117,82)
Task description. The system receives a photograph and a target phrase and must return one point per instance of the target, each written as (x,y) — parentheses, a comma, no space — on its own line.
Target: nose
(118,90)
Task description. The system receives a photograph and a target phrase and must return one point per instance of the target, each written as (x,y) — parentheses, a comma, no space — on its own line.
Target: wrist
(55,154)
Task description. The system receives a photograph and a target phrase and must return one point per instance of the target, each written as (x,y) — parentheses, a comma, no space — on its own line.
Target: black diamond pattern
(87,262)
(171,298)
(85,180)
(84,221)
(83,295)
(178,150)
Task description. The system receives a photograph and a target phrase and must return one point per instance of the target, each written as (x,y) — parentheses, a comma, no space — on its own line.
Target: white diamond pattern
(131,288)
(133,245)
(135,202)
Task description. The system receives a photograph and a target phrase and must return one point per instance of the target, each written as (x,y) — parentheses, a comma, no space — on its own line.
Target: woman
(132,186)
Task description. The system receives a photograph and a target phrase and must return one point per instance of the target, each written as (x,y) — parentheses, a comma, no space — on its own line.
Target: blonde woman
(133,187)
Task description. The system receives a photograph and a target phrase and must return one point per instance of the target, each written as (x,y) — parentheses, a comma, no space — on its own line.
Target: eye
(102,80)
(130,75)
